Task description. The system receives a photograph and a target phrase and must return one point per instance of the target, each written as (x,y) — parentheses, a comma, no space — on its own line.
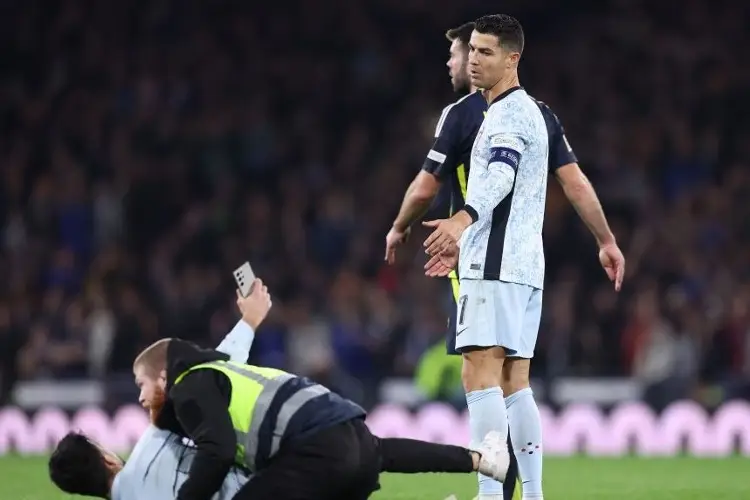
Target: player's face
(457,66)
(488,61)
(152,388)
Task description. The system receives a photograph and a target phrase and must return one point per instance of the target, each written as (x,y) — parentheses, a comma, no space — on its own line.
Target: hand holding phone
(253,299)
(244,277)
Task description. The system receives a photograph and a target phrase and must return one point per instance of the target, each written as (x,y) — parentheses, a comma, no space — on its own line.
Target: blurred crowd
(147,148)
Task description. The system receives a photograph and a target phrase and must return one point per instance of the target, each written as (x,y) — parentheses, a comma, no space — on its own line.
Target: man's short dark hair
(506,28)
(77,466)
(461,33)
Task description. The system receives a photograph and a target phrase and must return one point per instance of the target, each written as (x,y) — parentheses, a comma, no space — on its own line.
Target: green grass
(566,479)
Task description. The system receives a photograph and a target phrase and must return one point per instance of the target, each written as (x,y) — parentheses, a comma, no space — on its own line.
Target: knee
(482,369)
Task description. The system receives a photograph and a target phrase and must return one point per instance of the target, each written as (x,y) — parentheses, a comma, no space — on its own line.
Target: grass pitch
(565,479)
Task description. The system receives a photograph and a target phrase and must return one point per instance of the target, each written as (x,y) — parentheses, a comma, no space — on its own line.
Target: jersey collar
(506,94)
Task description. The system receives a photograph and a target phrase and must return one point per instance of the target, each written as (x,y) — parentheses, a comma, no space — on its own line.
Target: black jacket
(197,408)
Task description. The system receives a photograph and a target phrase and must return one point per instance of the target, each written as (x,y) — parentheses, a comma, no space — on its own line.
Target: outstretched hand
(446,232)
(613,262)
(442,264)
(393,240)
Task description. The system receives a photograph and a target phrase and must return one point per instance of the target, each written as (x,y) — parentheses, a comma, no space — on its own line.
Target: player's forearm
(583,198)
(496,186)
(414,207)
(238,342)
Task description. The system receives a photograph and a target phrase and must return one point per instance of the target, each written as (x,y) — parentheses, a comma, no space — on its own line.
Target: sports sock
(526,435)
(487,413)
(410,456)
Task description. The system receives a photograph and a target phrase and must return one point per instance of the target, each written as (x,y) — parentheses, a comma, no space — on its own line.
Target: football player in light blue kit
(159,463)
(501,264)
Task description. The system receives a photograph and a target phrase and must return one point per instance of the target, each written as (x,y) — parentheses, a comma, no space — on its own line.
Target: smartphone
(244,277)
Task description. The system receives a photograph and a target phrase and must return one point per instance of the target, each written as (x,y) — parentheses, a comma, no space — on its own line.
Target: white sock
(526,435)
(487,413)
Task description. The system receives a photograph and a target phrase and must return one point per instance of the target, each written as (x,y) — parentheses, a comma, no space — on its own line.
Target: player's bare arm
(417,200)
(582,196)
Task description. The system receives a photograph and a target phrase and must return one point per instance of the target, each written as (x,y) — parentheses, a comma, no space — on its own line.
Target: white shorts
(497,313)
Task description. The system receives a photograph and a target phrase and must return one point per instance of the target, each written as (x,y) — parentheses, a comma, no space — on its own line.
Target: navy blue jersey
(449,157)
(560,151)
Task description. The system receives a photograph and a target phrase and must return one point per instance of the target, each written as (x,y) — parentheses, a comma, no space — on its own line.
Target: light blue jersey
(160,461)
(506,194)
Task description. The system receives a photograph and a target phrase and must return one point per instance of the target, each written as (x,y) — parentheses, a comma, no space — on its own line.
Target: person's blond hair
(154,357)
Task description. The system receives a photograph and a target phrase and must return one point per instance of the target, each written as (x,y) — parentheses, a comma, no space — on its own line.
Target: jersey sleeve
(442,159)
(560,151)
(238,342)
(508,131)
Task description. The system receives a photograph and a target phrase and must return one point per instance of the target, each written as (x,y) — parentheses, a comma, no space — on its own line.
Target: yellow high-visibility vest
(253,390)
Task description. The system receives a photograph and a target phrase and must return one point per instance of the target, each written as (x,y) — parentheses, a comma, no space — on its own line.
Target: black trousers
(339,463)
(345,462)
(410,456)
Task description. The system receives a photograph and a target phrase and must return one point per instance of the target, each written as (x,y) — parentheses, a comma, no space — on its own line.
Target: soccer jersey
(449,158)
(519,142)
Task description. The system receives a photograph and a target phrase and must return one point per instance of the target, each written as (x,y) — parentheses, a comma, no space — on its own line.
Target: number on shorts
(462,308)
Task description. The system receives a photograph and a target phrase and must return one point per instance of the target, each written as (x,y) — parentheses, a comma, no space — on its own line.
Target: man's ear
(163,377)
(112,461)
(514,59)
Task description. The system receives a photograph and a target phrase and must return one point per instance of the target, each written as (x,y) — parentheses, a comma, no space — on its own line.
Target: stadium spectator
(145,151)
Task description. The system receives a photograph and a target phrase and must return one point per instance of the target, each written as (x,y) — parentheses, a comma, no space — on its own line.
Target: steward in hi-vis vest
(304,441)
(267,410)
